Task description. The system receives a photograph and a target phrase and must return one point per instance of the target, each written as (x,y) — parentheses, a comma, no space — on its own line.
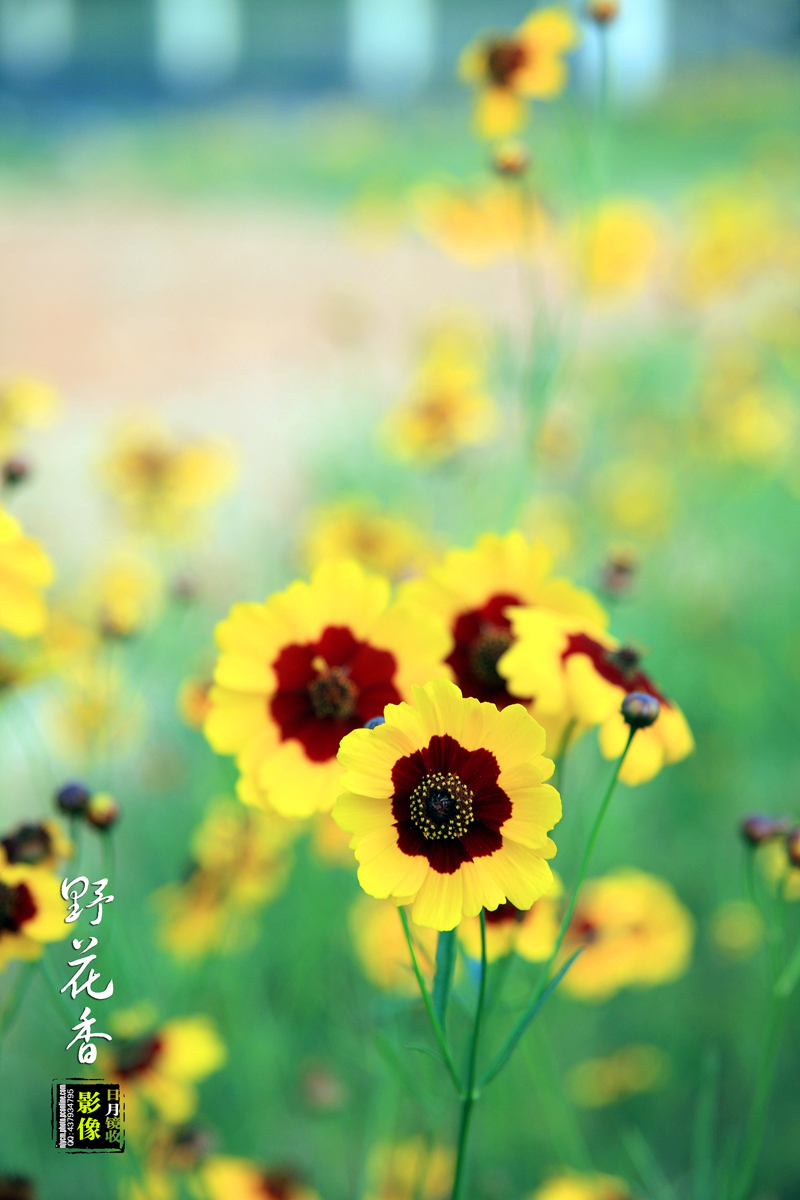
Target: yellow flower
(409,1170)
(774,861)
(193,701)
(579,672)
(582,1187)
(635,933)
(471,592)
(377,540)
(226,1178)
(24,570)
(618,248)
(163,484)
(527,63)
(124,595)
(448,408)
(242,861)
(636,495)
(448,806)
(629,1071)
(737,928)
(299,672)
(382,949)
(735,232)
(478,225)
(163,1067)
(24,404)
(95,711)
(531,934)
(42,844)
(31,911)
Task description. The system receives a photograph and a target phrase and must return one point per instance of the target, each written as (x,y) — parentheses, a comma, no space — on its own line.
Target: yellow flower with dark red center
(31,911)
(528,63)
(305,668)
(578,672)
(531,933)
(39,844)
(161,483)
(448,806)
(382,948)
(227,1178)
(410,1170)
(163,1067)
(448,408)
(24,404)
(25,570)
(358,529)
(478,225)
(582,1187)
(634,932)
(472,592)
(629,1071)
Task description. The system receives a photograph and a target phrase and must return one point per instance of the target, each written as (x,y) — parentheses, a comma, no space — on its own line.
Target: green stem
(428,1002)
(530,1009)
(757,1118)
(471,1094)
(787,980)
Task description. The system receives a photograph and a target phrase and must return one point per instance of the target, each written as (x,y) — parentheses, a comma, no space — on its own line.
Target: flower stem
(533,1004)
(428,1002)
(471,1094)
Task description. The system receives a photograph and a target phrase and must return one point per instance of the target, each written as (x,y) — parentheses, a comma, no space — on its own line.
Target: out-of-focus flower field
(304,413)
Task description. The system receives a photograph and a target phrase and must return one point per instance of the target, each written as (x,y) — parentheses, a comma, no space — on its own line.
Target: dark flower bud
(758,828)
(602,12)
(374,722)
(15,470)
(640,710)
(102,811)
(72,798)
(793,847)
(16,1187)
(619,573)
(28,844)
(511,159)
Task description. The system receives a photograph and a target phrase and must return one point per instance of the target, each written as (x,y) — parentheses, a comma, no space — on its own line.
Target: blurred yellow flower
(95,711)
(478,225)
(25,570)
(773,859)
(124,595)
(636,495)
(617,248)
(24,404)
(410,1170)
(635,933)
(32,911)
(737,928)
(330,844)
(629,1071)
(381,946)
(358,529)
(579,672)
(35,844)
(226,1178)
(509,68)
(163,1067)
(582,1187)
(193,701)
(448,408)
(161,483)
(734,232)
(531,933)
(297,673)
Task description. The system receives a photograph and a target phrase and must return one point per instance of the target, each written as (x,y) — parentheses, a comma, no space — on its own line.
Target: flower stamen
(441,806)
(332,693)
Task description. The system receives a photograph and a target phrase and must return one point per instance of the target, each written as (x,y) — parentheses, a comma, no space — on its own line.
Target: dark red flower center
(278,1185)
(582,929)
(328,687)
(17,906)
(620,667)
(27,844)
(505,914)
(482,636)
(447,804)
(504,58)
(135,1056)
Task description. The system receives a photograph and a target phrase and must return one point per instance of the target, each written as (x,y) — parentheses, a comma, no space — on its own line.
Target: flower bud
(511,159)
(640,710)
(602,12)
(102,811)
(793,847)
(619,573)
(72,799)
(758,828)
(15,470)
(374,722)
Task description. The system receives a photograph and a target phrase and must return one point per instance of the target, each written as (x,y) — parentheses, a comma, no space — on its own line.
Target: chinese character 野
(74,890)
(88,1102)
(87,1053)
(88,983)
(88,1129)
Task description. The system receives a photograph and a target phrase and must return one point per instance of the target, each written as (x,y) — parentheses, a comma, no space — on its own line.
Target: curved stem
(471,1094)
(533,1004)
(426,997)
